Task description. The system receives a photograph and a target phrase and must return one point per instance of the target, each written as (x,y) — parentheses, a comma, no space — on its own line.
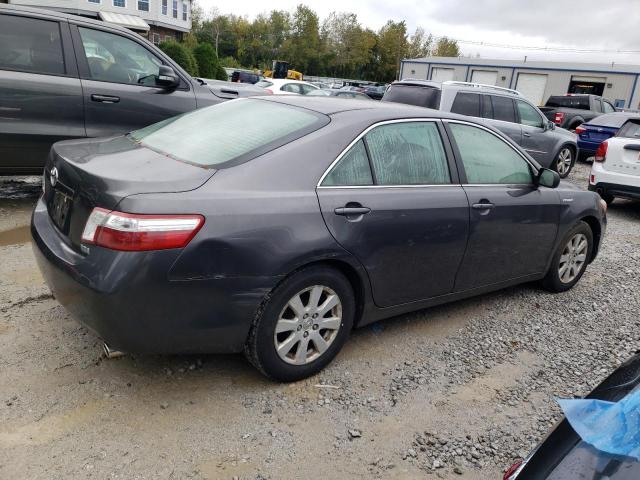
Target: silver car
(503,108)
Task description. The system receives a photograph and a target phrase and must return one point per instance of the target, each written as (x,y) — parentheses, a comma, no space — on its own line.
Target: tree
(392,47)
(181,55)
(208,64)
(446,47)
(420,44)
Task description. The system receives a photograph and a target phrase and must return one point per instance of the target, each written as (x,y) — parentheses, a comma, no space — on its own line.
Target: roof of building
(489,62)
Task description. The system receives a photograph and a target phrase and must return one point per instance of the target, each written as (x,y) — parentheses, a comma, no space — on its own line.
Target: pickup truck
(571,110)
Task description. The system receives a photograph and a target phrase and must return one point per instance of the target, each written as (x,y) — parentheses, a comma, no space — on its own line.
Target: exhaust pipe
(110,352)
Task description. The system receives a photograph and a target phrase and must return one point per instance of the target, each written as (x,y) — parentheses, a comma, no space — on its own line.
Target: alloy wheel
(573,258)
(308,325)
(564,162)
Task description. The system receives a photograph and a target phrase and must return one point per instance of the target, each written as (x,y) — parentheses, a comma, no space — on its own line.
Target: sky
(611,25)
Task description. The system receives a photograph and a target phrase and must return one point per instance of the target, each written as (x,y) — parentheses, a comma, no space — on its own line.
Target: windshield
(413,95)
(236,130)
(581,103)
(584,461)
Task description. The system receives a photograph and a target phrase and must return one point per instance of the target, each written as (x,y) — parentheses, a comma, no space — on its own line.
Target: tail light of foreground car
(559,118)
(513,471)
(134,233)
(601,153)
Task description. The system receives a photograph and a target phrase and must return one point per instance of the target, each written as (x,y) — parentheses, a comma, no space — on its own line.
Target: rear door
(118,74)
(40,93)
(513,223)
(501,114)
(394,201)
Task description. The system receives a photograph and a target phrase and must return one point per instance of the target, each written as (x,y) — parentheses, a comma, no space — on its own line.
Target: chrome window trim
(421,185)
(361,135)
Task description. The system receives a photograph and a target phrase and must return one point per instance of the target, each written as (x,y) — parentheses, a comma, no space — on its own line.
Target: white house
(157,20)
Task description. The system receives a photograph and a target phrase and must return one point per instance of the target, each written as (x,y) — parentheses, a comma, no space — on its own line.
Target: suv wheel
(564,162)
(303,324)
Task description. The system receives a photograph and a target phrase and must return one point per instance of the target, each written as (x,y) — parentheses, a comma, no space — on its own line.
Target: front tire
(302,325)
(571,260)
(564,162)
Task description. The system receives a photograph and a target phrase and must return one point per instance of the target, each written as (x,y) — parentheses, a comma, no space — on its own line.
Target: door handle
(349,211)
(483,206)
(105,98)
(526,134)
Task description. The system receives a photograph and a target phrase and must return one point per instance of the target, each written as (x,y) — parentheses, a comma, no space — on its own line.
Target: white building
(157,20)
(536,80)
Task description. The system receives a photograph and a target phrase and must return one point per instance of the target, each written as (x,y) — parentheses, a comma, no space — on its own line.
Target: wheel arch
(596,230)
(575,122)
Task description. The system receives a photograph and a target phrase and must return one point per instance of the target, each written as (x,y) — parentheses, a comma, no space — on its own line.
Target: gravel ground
(457,391)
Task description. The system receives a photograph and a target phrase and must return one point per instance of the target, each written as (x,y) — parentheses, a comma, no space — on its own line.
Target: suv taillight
(559,118)
(133,232)
(601,153)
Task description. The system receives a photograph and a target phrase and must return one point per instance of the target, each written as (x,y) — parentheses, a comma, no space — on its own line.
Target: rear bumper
(129,301)
(613,183)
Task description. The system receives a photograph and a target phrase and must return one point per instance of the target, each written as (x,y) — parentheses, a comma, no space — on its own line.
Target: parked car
(573,109)
(503,108)
(338,93)
(375,91)
(245,77)
(284,86)
(594,132)
(321,85)
(64,76)
(616,167)
(564,456)
(291,219)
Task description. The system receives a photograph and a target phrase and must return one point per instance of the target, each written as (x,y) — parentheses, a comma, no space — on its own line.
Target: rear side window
(503,109)
(428,97)
(229,133)
(30,45)
(487,159)
(467,104)
(631,129)
(408,154)
(353,169)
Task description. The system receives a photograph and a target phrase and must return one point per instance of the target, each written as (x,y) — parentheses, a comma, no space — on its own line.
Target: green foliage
(208,65)
(446,48)
(181,55)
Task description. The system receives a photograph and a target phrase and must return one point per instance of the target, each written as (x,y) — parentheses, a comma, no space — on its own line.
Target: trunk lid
(83,174)
(623,156)
(597,133)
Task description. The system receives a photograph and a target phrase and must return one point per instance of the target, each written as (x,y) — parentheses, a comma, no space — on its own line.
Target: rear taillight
(269,91)
(580,130)
(512,471)
(559,118)
(601,153)
(133,232)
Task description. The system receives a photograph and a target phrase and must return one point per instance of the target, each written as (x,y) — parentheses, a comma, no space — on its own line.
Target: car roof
(276,81)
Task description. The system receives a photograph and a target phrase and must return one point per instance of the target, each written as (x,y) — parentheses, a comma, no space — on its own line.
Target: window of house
(94,1)
(119,3)
(175,8)
(30,45)
(164,7)
(184,12)
(143,5)
(155,38)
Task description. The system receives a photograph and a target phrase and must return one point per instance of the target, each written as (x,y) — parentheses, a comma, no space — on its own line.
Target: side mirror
(167,78)
(548,178)
(549,125)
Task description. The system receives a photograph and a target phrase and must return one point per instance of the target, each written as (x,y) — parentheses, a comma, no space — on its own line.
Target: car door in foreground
(514,222)
(393,201)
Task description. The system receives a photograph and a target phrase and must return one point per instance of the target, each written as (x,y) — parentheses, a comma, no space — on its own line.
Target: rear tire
(564,162)
(287,341)
(570,260)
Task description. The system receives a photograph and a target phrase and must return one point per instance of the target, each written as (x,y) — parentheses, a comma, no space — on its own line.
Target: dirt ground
(66,412)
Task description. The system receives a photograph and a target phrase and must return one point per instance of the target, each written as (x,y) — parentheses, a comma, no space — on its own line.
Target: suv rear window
(581,103)
(229,133)
(631,129)
(414,95)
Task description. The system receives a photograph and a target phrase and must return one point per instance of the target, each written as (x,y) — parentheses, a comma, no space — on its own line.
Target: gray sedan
(288,221)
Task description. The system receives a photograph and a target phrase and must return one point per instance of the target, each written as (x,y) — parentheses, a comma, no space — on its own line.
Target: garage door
(485,77)
(532,86)
(440,74)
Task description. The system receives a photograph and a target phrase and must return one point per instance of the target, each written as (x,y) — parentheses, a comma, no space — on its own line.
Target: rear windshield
(631,129)
(414,95)
(581,103)
(610,120)
(229,133)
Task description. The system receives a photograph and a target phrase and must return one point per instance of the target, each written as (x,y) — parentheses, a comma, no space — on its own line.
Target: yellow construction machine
(281,69)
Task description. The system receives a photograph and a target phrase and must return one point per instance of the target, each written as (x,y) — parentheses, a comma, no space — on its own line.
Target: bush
(181,55)
(208,64)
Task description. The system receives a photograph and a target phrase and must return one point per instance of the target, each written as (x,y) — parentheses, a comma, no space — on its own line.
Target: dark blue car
(596,131)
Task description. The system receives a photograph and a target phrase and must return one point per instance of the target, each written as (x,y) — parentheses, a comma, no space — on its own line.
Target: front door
(536,139)
(393,202)
(119,84)
(513,222)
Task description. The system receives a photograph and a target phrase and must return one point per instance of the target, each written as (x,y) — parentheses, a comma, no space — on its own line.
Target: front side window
(408,154)
(164,7)
(30,45)
(466,104)
(184,12)
(175,8)
(119,3)
(488,159)
(503,109)
(528,115)
(143,5)
(235,131)
(117,59)
(353,169)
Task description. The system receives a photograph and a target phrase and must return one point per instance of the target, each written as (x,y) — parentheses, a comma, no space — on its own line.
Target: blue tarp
(612,427)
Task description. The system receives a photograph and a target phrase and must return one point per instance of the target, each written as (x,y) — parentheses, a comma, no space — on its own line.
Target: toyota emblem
(53,176)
